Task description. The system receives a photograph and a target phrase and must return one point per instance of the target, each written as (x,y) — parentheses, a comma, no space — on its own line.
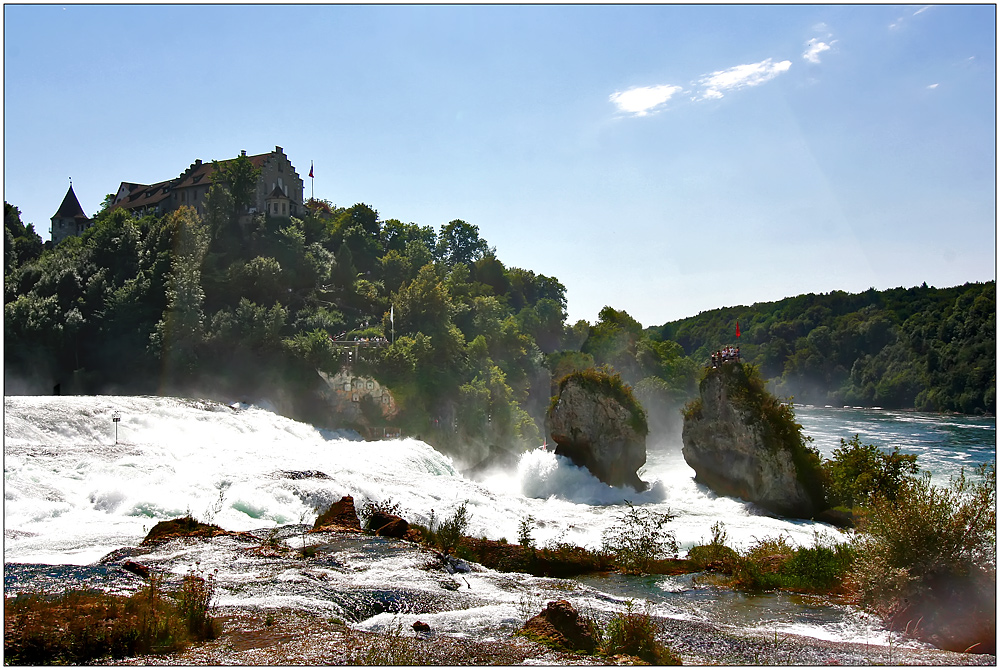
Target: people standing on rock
(725,355)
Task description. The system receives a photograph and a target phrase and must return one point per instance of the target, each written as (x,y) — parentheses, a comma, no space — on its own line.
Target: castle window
(282,208)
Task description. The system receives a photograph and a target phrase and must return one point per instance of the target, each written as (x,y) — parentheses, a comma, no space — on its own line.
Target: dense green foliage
(635,633)
(858,473)
(772,563)
(923,347)
(232,305)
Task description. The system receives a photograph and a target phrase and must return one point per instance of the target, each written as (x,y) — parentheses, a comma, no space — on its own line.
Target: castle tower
(69,219)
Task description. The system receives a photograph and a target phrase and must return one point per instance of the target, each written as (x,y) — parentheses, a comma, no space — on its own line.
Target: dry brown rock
(384,524)
(560,626)
(341,517)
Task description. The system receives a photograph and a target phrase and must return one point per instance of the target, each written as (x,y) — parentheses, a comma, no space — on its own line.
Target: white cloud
(641,100)
(813,49)
(741,76)
(933,86)
(922,10)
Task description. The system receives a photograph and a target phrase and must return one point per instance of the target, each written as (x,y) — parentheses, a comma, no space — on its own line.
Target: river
(78,486)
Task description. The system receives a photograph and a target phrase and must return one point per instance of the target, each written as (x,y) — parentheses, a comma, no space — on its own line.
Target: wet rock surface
(357,598)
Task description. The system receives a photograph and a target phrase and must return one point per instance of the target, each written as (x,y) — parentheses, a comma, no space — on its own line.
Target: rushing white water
(72,493)
(75,490)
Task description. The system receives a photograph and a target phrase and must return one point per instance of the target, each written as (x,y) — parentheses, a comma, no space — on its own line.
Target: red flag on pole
(310,169)
(737,327)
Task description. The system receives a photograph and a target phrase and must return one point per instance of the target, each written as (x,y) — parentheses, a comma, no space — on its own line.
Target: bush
(858,472)
(772,563)
(391,646)
(371,507)
(927,535)
(194,602)
(715,555)
(634,633)
(450,533)
(77,627)
(639,538)
(524,532)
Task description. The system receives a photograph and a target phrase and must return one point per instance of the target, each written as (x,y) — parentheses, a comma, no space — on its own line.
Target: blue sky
(664,160)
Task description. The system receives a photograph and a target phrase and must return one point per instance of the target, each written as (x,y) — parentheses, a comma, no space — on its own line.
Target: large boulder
(341,517)
(597,423)
(742,441)
(560,626)
(385,524)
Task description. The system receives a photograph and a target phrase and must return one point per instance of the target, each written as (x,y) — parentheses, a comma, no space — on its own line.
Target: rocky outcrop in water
(184,527)
(340,517)
(743,442)
(598,424)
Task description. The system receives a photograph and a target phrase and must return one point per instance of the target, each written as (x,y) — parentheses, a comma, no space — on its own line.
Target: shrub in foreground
(77,627)
(635,634)
(927,560)
(773,563)
(639,538)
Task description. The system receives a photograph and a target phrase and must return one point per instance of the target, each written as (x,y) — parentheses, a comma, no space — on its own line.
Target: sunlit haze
(664,160)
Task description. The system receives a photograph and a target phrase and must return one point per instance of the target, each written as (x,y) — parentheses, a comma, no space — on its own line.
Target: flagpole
(312,181)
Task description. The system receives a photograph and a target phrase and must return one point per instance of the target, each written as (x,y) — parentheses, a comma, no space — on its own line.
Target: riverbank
(278,608)
(289,636)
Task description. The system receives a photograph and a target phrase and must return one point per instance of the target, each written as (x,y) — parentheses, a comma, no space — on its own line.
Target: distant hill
(926,348)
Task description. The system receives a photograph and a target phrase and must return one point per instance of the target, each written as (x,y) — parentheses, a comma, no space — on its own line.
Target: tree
(396,235)
(459,242)
(220,216)
(241,177)
(21,243)
(181,330)
(423,305)
(109,200)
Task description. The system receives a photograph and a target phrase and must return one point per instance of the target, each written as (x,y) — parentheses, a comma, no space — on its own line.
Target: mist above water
(73,493)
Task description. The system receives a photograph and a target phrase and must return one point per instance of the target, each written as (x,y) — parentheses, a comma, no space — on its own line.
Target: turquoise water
(944,444)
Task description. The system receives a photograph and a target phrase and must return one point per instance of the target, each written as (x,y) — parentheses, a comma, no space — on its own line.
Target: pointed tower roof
(70,207)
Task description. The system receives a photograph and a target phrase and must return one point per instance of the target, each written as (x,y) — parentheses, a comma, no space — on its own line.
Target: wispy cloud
(741,76)
(813,49)
(641,100)
(932,86)
(898,23)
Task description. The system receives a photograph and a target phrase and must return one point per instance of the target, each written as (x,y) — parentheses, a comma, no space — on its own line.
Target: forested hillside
(234,307)
(923,347)
(237,307)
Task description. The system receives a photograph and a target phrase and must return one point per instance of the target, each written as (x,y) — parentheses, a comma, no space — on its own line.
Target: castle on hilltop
(279,189)
(278,193)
